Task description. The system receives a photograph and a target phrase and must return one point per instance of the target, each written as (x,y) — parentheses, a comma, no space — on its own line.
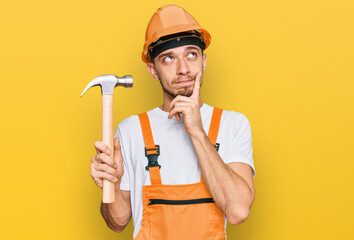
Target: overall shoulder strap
(214,130)
(214,126)
(152,151)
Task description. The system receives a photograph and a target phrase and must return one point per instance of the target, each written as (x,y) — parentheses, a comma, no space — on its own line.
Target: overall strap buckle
(217,145)
(152,155)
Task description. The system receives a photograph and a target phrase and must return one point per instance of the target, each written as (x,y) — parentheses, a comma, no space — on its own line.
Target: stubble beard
(186,91)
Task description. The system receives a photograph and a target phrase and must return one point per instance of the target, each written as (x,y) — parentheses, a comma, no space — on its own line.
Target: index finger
(101,147)
(196,89)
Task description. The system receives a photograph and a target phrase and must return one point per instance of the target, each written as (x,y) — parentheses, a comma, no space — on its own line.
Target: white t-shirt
(179,164)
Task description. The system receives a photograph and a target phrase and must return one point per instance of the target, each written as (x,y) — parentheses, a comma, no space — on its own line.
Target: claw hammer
(108,82)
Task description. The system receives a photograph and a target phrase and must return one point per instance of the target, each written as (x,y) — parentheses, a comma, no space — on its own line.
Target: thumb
(118,157)
(116,145)
(117,151)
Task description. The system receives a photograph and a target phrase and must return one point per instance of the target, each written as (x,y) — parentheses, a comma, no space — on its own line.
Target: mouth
(184,82)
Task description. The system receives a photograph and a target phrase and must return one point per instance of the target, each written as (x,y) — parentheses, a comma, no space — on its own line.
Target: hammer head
(108,82)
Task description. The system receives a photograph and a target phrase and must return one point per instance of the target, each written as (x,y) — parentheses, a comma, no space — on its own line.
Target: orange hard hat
(169,20)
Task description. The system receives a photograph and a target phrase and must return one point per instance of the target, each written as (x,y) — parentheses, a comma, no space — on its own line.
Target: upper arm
(239,147)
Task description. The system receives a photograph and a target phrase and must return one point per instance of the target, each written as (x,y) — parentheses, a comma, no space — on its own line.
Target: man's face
(177,68)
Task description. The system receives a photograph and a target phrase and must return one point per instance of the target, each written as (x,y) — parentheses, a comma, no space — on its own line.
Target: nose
(182,67)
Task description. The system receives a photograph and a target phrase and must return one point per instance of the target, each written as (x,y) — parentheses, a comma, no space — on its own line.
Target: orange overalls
(178,212)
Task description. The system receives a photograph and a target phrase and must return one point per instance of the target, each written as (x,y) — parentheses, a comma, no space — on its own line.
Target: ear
(204,62)
(151,68)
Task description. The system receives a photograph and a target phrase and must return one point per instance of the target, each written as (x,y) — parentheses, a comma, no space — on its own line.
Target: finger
(106,176)
(181,106)
(179,98)
(105,168)
(184,104)
(175,113)
(176,110)
(196,89)
(98,181)
(96,159)
(117,147)
(101,147)
(104,158)
(118,158)
(178,116)
(99,176)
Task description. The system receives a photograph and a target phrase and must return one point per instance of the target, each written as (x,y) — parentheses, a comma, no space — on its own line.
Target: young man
(184,168)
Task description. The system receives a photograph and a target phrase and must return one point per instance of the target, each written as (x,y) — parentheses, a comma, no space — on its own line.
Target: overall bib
(178,212)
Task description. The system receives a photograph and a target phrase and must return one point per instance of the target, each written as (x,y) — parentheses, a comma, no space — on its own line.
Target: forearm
(229,190)
(117,214)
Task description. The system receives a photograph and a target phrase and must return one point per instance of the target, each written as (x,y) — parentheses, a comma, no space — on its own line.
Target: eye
(192,55)
(168,59)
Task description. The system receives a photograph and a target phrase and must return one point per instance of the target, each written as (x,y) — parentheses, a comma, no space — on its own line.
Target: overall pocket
(184,219)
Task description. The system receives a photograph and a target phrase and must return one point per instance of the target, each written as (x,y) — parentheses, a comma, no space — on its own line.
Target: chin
(185,92)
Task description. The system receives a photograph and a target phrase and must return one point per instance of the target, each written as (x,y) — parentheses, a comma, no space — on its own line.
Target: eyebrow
(162,55)
(192,48)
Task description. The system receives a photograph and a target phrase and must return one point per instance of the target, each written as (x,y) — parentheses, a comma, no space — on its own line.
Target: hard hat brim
(172,30)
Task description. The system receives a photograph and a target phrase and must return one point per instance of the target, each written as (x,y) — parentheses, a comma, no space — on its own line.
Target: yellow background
(287,65)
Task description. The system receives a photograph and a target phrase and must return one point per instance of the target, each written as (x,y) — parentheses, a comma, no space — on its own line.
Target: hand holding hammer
(108,83)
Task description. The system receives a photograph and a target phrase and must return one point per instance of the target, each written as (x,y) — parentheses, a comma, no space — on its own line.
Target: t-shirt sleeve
(240,146)
(125,183)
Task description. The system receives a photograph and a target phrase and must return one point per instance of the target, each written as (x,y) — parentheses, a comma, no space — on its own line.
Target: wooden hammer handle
(107,138)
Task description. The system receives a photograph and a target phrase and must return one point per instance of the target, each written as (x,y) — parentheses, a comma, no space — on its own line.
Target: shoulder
(131,124)
(127,128)
(225,114)
(234,123)
(232,118)
(235,118)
